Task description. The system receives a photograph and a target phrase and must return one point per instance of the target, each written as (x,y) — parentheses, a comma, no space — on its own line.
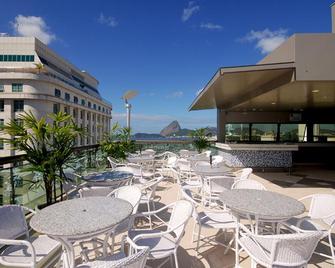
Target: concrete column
(333,17)
(221,120)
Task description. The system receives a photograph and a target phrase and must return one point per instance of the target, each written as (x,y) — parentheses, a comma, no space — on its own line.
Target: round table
(211,170)
(140,159)
(79,219)
(108,178)
(259,205)
(263,205)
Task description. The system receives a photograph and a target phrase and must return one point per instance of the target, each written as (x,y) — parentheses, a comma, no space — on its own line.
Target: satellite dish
(129,94)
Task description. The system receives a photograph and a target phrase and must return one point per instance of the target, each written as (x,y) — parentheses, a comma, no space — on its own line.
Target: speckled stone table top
(81,217)
(140,159)
(263,204)
(108,176)
(211,170)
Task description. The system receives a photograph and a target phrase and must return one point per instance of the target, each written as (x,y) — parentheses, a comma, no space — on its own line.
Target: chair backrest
(217,159)
(151,186)
(248,184)
(132,194)
(95,191)
(245,173)
(181,212)
(183,164)
(171,160)
(12,222)
(136,260)
(289,250)
(322,205)
(218,184)
(113,162)
(183,153)
(188,195)
(148,152)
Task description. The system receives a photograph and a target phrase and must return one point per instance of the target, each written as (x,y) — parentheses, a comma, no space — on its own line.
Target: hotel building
(280,111)
(58,86)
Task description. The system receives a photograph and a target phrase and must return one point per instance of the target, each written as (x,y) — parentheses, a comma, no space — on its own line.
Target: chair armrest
(151,235)
(12,242)
(306,197)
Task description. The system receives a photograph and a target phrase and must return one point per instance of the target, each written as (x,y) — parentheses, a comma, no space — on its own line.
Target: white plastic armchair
(163,244)
(136,258)
(209,219)
(320,217)
(114,163)
(243,173)
(248,184)
(214,186)
(17,248)
(95,191)
(283,250)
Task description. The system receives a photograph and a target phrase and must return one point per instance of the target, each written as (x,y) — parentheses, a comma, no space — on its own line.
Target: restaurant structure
(281,110)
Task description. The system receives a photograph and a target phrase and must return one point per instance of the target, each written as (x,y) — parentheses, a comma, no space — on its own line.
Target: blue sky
(168,50)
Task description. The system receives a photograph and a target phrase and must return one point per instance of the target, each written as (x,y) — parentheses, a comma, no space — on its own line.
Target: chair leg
(150,223)
(198,241)
(175,259)
(331,247)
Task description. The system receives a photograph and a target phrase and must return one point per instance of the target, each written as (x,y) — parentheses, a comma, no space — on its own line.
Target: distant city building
(34,78)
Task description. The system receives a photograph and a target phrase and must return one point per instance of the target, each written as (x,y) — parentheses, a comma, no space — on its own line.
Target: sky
(167,50)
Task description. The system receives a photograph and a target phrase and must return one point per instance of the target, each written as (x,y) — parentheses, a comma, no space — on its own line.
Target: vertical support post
(221,120)
(12,184)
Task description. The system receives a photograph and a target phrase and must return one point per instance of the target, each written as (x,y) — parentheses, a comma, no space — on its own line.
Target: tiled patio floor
(299,183)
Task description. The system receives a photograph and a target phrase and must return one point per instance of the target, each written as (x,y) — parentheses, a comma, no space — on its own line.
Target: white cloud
(3,34)
(266,40)
(107,20)
(33,26)
(189,11)
(211,26)
(175,95)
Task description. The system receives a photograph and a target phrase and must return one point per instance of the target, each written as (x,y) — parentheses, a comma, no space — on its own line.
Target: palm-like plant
(117,143)
(48,144)
(200,140)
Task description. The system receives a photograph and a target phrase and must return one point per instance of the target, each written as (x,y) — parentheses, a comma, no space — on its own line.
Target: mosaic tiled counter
(257,155)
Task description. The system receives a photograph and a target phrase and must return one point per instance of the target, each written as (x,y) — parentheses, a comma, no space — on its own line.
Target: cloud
(211,26)
(189,11)
(33,26)
(3,34)
(107,20)
(175,95)
(266,40)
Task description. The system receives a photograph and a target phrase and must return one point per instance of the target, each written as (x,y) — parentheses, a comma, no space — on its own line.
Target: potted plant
(200,140)
(47,143)
(117,143)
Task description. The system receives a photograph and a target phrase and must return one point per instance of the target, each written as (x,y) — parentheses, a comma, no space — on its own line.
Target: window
(58,93)
(81,114)
(17,87)
(293,132)
(2,88)
(67,96)
(56,108)
(2,123)
(89,104)
(1,144)
(74,113)
(30,58)
(18,105)
(324,132)
(88,116)
(2,105)
(99,108)
(237,132)
(19,122)
(66,110)
(75,99)
(83,102)
(94,106)
(264,132)
(103,109)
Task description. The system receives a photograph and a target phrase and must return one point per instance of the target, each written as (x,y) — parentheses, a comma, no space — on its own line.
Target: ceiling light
(315,91)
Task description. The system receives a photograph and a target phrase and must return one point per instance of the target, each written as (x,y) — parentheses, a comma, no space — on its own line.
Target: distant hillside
(139,136)
(170,129)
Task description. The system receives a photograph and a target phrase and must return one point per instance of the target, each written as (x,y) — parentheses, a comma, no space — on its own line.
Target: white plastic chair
(243,173)
(164,244)
(320,217)
(283,250)
(149,193)
(17,248)
(186,173)
(136,259)
(114,163)
(248,184)
(214,186)
(132,194)
(220,219)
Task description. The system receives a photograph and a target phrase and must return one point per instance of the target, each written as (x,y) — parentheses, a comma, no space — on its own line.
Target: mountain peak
(171,129)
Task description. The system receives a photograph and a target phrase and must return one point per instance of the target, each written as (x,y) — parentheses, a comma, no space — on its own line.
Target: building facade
(33,78)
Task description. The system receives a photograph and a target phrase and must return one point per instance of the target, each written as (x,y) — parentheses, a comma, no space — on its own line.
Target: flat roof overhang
(267,87)
(232,86)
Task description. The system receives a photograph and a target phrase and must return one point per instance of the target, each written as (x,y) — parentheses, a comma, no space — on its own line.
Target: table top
(211,170)
(140,158)
(264,204)
(81,217)
(113,175)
